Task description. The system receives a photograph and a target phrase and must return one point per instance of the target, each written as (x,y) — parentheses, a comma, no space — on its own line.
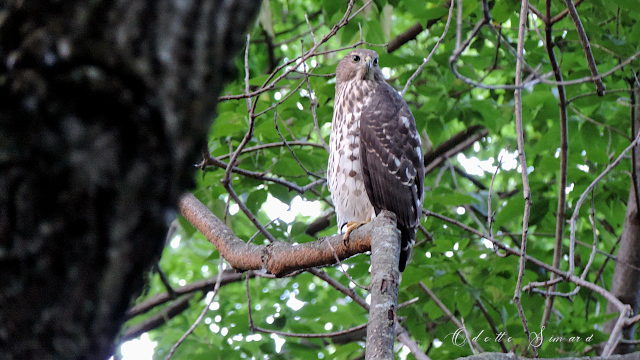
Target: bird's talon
(351,225)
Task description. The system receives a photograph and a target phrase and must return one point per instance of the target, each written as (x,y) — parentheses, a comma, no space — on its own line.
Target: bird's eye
(375,61)
(356,58)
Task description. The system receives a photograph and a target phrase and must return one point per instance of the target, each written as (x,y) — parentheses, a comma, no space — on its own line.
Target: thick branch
(385,281)
(279,258)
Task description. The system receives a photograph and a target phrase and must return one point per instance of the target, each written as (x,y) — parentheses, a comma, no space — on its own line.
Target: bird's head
(360,64)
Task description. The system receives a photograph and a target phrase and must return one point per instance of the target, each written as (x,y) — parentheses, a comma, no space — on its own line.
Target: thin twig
(249,311)
(536,79)
(562,14)
(526,190)
(338,286)
(243,207)
(426,60)
(291,186)
(226,179)
(608,127)
(551,283)
(458,24)
(165,281)
(449,314)
(564,155)
(580,96)
(585,46)
(286,144)
(202,314)
(408,302)
(273,145)
(405,339)
(344,271)
(616,333)
(486,314)
(515,252)
(574,217)
(313,36)
(310,336)
(493,179)
(271,81)
(314,105)
(284,98)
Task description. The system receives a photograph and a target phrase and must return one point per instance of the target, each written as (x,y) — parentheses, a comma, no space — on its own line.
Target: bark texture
(626,279)
(105,107)
(385,281)
(279,258)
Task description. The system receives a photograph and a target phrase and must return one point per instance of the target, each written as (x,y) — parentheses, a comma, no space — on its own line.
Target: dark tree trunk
(104,106)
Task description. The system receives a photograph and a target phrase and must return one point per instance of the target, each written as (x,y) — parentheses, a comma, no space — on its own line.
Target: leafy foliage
(465,273)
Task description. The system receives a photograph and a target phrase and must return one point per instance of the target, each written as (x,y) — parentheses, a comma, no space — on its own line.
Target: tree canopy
(568,109)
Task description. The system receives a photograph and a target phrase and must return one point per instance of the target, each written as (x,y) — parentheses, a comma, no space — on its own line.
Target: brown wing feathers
(392,161)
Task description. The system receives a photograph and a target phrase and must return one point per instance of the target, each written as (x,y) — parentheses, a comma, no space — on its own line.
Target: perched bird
(375,160)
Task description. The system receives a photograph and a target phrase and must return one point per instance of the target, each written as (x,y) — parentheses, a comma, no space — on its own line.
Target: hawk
(375,159)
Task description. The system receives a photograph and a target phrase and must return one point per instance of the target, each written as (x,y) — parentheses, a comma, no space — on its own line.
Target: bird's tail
(407,239)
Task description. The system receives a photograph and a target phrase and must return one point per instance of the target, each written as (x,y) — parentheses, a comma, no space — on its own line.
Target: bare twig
(254,220)
(563,14)
(449,314)
(576,212)
(486,314)
(344,271)
(162,298)
(405,339)
(338,286)
(586,47)
(526,190)
(608,127)
(459,25)
(284,98)
(271,81)
(564,155)
(291,186)
(314,105)
(286,144)
(202,314)
(454,145)
(310,336)
(226,179)
(313,36)
(515,252)
(493,179)
(426,60)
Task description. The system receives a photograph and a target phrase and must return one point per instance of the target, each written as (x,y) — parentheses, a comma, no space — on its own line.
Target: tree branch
(458,143)
(564,154)
(586,47)
(157,320)
(385,282)
(201,285)
(278,258)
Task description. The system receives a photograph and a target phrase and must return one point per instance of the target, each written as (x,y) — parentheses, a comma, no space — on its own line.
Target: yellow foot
(352,225)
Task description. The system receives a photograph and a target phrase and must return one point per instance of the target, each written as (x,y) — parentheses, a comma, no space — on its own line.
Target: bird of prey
(375,160)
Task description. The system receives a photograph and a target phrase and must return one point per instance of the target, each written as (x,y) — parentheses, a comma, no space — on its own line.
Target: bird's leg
(351,225)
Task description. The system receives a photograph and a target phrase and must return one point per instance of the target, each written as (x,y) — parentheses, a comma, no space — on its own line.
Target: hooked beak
(368,62)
